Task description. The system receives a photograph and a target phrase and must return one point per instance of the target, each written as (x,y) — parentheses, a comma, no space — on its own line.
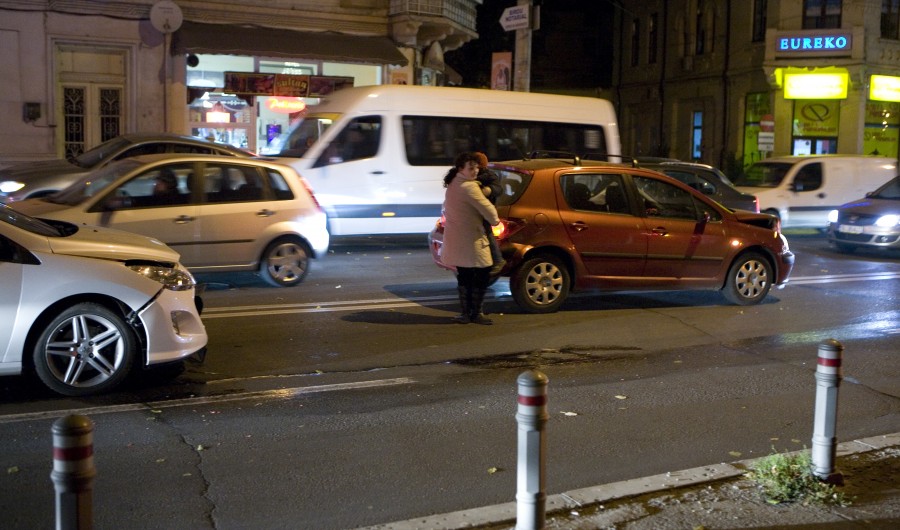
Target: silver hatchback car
(220,213)
(82,307)
(29,180)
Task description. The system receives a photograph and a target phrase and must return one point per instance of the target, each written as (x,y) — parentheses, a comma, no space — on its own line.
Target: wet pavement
(718,496)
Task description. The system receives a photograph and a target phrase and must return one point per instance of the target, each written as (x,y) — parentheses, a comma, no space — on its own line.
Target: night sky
(573,48)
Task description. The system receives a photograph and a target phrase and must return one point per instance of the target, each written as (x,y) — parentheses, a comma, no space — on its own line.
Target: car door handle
(659,231)
(183,219)
(579,226)
(377,173)
(265,212)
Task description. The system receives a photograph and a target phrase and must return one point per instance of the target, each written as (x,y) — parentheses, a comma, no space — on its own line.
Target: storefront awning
(194,37)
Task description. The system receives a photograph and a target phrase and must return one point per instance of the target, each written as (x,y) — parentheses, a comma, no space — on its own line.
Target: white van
(375,156)
(801,190)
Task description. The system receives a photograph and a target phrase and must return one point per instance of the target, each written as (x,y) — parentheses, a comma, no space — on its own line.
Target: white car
(82,306)
(221,214)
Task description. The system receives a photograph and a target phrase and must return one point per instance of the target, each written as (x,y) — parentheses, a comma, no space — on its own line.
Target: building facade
(79,72)
(728,83)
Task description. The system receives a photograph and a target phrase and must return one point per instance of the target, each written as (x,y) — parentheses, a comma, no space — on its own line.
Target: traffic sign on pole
(515,17)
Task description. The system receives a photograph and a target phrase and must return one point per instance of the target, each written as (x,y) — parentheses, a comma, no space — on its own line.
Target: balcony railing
(460,11)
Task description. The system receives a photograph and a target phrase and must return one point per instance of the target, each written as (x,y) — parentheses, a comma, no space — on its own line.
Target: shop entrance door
(90,104)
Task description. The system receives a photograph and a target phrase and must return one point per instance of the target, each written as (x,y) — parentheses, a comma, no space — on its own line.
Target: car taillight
(756,202)
(311,194)
(507,228)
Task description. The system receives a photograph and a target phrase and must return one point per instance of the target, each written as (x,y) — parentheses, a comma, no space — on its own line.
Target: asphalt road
(353,401)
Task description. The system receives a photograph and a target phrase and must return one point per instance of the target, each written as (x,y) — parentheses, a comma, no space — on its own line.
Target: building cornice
(304,16)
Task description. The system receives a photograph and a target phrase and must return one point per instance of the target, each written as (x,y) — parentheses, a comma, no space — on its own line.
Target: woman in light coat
(465,244)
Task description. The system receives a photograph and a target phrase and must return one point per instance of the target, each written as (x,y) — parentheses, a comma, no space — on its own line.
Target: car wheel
(749,279)
(285,262)
(540,285)
(86,349)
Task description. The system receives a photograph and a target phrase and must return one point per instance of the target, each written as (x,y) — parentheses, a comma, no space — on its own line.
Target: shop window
(882,128)
(815,126)
(822,14)
(759,20)
(890,19)
(758,106)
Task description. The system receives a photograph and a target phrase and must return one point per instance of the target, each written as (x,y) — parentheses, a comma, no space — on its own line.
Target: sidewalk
(711,497)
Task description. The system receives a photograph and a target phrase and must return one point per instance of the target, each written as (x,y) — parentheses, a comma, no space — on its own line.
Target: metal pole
(828,379)
(73,472)
(531,416)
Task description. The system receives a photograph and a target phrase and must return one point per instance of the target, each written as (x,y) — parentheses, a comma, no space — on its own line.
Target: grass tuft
(786,478)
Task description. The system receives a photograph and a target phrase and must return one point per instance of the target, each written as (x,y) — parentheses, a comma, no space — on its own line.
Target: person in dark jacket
(490,186)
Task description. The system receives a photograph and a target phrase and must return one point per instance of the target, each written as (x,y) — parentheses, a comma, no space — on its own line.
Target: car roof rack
(577,159)
(621,159)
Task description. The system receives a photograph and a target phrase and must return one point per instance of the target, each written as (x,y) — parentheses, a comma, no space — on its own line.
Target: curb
(506,513)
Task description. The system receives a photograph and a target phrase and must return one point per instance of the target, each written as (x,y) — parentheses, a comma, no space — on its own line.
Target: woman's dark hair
(458,164)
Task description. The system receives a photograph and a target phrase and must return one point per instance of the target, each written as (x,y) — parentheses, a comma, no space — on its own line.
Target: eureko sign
(806,43)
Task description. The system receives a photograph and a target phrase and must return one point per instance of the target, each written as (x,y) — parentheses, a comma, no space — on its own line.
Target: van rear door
(811,195)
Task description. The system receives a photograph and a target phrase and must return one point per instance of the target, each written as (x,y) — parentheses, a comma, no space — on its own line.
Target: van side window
(436,140)
(809,178)
(359,139)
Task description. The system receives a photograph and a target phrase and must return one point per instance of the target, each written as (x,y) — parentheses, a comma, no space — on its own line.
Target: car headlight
(10,186)
(888,221)
(172,278)
(833,216)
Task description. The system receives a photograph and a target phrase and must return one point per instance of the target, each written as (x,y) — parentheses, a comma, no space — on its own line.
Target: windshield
(92,157)
(93,183)
(20,220)
(763,175)
(306,133)
(890,191)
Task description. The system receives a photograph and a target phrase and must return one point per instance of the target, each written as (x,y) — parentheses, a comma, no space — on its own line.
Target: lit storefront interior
(247,87)
(255,122)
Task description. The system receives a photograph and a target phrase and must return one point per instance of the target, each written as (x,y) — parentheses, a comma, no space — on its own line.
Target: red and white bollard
(73,472)
(828,379)
(531,499)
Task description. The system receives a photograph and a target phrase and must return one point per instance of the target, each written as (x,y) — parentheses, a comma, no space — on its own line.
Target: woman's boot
(475,310)
(465,303)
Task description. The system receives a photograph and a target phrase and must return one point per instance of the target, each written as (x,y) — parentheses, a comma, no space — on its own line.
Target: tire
(86,349)
(749,279)
(541,284)
(285,262)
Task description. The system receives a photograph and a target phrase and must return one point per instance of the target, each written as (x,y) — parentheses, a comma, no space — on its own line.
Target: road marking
(390,303)
(834,278)
(281,393)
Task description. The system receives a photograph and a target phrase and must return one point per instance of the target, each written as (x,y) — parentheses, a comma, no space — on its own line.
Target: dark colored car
(570,225)
(871,222)
(37,179)
(707,180)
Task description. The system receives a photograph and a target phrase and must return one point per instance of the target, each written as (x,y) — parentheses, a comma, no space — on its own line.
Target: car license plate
(850,229)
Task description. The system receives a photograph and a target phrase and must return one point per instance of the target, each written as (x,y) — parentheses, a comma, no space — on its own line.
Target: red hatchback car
(576,224)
